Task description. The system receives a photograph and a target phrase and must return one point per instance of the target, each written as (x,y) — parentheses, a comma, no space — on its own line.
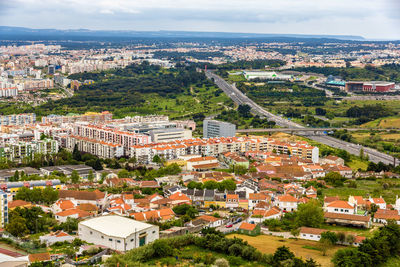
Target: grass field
(301,248)
(390,122)
(367,187)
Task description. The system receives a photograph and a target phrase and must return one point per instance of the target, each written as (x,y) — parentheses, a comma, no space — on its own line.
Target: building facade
(213,128)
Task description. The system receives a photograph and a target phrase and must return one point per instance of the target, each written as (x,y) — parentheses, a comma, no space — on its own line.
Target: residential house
(53,237)
(380,202)
(249,229)
(260,215)
(255,198)
(209,221)
(340,206)
(328,200)
(80,197)
(232,201)
(287,203)
(71,213)
(384,215)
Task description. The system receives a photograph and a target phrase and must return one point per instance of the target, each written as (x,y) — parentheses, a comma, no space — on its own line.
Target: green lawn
(365,187)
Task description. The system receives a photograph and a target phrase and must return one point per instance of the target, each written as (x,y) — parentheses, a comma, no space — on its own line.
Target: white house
(287,203)
(380,202)
(117,232)
(340,206)
(260,215)
(255,198)
(311,233)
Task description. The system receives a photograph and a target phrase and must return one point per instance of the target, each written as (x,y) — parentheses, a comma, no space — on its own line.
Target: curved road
(239,98)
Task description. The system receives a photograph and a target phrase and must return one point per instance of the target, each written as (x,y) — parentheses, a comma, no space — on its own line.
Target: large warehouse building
(379,87)
(117,232)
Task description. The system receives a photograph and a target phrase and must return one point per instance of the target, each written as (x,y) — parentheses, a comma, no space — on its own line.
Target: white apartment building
(95,147)
(3,209)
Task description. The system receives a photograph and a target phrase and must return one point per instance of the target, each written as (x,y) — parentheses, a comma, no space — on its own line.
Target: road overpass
(241,99)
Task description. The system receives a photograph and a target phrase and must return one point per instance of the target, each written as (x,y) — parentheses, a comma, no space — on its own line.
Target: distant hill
(8,32)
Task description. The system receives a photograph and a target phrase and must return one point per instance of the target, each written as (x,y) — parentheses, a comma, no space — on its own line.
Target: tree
(244,111)
(75,177)
(228,184)
(327,240)
(335,179)
(211,184)
(49,195)
(76,155)
(15,177)
(348,257)
(341,237)
(162,248)
(124,174)
(156,159)
(240,169)
(361,153)
(373,208)
(98,166)
(282,253)
(350,239)
(310,214)
(17,226)
(91,176)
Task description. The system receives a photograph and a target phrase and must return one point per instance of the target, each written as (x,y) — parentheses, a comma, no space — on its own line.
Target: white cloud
(371,18)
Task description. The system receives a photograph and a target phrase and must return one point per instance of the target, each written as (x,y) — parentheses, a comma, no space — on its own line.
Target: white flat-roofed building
(214,128)
(117,232)
(170,134)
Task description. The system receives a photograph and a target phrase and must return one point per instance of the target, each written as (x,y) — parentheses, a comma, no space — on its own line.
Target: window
(118,241)
(336,209)
(110,239)
(91,232)
(311,235)
(154,232)
(132,240)
(102,237)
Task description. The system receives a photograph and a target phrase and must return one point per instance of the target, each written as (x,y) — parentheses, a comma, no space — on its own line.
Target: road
(239,98)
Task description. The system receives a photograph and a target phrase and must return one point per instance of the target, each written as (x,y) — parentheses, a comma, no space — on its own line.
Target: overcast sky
(368,18)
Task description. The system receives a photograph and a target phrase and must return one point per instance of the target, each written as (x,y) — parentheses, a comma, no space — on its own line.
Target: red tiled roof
(38,257)
(287,198)
(247,226)
(340,204)
(313,231)
(350,217)
(18,203)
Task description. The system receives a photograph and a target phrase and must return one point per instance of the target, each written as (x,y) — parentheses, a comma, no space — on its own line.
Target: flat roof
(114,225)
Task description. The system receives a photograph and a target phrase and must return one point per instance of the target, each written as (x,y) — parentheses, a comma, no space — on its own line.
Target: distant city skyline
(372,19)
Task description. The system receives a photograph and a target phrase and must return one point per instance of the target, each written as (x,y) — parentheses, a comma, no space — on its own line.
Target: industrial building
(213,128)
(117,232)
(374,86)
(266,75)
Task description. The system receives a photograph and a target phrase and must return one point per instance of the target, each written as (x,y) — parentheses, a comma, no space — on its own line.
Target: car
(229,225)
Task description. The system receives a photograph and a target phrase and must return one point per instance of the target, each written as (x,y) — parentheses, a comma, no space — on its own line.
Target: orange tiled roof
(247,226)
(340,204)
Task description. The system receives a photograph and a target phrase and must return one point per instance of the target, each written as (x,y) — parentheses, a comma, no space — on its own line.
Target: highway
(260,130)
(239,98)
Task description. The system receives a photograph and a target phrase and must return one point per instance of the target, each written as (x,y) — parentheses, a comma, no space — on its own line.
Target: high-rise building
(3,209)
(51,69)
(213,128)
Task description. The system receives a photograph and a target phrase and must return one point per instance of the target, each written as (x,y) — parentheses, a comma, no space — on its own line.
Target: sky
(372,19)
